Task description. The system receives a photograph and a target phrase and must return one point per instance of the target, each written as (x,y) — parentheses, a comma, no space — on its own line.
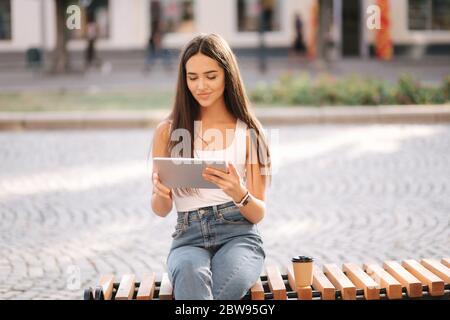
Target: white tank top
(235,153)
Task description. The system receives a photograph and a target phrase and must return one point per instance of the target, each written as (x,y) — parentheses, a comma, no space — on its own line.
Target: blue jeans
(216,254)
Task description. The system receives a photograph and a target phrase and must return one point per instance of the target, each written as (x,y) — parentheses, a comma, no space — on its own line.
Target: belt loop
(216,211)
(186,219)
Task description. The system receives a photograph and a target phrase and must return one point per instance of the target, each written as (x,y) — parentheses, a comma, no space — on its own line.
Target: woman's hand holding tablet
(161,189)
(230,183)
(186,172)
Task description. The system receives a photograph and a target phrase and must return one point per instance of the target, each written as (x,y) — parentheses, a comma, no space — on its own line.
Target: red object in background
(383,41)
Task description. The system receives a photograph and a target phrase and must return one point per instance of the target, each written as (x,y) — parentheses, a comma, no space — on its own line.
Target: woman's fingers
(213,179)
(161,194)
(232,169)
(158,183)
(216,172)
(155,178)
(220,174)
(207,177)
(162,189)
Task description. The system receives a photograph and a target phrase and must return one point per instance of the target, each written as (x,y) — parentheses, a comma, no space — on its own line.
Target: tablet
(186,172)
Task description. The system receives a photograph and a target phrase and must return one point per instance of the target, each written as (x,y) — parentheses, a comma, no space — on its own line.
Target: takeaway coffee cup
(303,270)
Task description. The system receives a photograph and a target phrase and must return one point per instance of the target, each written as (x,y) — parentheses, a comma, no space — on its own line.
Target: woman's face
(205,79)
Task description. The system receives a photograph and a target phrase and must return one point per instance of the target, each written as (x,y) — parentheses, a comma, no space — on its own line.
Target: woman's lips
(204,96)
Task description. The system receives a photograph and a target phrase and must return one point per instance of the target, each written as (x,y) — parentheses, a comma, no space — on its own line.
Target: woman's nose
(201,84)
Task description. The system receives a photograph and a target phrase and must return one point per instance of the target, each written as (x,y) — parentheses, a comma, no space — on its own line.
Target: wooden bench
(408,279)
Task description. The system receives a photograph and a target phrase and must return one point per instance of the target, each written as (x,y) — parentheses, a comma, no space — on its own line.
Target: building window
(5,19)
(254,14)
(441,15)
(177,15)
(429,14)
(92,11)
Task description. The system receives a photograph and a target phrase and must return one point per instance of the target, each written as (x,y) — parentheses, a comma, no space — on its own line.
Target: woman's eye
(209,78)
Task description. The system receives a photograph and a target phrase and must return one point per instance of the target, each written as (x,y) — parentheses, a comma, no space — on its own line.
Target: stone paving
(76,204)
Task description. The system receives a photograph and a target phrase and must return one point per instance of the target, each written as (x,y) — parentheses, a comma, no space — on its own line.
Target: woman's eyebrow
(211,71)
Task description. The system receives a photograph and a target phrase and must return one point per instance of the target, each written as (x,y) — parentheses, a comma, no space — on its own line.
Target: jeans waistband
(214,210)
(210,208)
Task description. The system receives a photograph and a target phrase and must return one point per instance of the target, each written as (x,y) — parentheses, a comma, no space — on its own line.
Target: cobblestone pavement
(79,201)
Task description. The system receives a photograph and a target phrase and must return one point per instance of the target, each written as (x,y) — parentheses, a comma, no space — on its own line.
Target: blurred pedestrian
(298,49)
(156,50)
(91,35)
(299,45)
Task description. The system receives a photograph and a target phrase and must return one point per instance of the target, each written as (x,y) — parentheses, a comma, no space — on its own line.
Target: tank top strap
(241,127)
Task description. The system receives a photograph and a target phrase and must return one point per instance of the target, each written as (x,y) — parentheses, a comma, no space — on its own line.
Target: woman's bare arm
(161,197)
(256,185)
(231,184)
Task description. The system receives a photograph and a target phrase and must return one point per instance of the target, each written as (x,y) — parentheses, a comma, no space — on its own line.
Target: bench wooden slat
(437,268)
(147,287)
(412,284)
(362,281)
(340,281)
(392,276)
(107,282)
(126,288)
(291,277)
(276,283)
(446,262)
(384,280)
(257,291)
(303,293)
(165,290)
(322,284)
(435,284)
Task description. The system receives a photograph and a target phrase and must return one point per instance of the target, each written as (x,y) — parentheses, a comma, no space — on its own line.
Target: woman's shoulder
(164,125)
(162,130)
(161,139)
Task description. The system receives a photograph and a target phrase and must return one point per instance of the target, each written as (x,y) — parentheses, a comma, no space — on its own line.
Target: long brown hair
(186,109)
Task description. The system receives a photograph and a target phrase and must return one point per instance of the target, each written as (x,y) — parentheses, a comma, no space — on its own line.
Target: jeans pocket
(233,216)
(180,227)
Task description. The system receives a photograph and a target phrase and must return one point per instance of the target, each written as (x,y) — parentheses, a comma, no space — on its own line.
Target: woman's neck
(215,113)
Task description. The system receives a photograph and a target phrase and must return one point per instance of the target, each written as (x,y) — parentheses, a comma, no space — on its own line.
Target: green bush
(409,91)
(353,90)
(262,94)
(446,88)
(300,91)
(356,91)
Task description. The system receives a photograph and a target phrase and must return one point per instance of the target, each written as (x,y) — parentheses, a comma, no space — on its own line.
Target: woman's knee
(235,289)
(191,279)
(189,266)
(238,282)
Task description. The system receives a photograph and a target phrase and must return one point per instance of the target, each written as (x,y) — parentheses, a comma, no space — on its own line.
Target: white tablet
(186,172)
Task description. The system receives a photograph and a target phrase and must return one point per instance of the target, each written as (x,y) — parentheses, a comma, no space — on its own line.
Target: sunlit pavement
(80,201)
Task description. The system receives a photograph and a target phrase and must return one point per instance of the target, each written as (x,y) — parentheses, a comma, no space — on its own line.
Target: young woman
(217,251)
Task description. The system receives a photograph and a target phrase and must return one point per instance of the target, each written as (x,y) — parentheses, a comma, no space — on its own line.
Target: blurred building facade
(126,25)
